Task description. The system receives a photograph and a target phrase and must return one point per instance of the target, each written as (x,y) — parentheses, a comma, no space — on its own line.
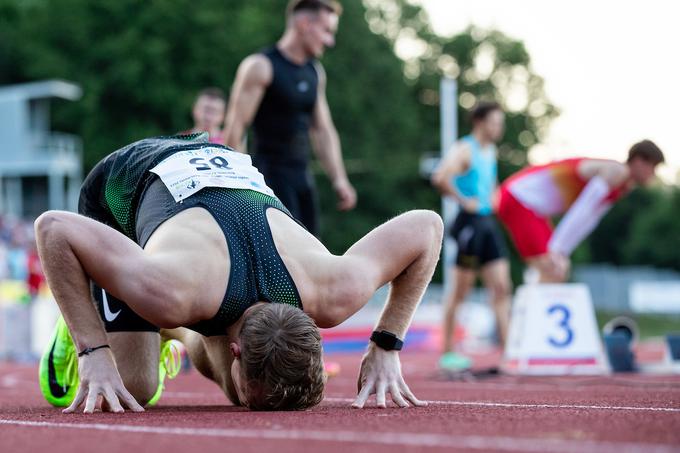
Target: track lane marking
(531,406)
(469,403)
(382,438)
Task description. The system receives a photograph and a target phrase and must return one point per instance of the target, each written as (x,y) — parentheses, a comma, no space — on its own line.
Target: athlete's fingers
(410,396)
(129,400)
(91,402)
(363,395)
(77,401)
(111,400)
(396,395)
(380,394)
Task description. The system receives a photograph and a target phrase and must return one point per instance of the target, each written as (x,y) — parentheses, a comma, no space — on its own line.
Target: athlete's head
(278,363)
(488,120)
(315,22)
(209,109)
(643,158)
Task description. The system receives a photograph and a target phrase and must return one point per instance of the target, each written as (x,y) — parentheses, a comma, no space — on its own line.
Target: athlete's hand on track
(99,376)
(381,374)
(347,196)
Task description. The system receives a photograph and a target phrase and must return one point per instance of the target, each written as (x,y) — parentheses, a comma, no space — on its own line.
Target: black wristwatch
(386,340)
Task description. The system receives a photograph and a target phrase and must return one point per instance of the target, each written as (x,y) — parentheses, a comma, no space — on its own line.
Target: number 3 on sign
(563,315)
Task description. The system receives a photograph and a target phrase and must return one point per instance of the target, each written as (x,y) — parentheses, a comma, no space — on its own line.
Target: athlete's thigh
(464,281)
(496,275)
(137,357)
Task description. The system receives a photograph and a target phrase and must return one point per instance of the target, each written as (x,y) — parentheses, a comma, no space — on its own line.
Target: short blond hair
(281,359)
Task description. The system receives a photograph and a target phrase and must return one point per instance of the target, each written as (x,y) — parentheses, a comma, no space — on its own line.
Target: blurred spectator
(18,255)
(208,114)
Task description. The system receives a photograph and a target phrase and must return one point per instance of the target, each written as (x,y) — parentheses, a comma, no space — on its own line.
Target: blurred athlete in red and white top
(582,189)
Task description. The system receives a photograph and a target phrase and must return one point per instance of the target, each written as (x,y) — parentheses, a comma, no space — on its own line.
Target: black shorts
(115,313)
(479,240)
(294,186)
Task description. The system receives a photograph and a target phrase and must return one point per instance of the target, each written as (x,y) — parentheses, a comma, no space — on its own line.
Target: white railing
(55,143)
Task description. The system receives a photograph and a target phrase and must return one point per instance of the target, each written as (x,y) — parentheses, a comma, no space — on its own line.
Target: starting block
(553,332)
(619,336)
(673,351)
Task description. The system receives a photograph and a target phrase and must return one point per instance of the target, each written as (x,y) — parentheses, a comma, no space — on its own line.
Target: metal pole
(448,110)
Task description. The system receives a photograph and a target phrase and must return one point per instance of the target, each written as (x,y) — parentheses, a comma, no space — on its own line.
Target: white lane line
(191,395)
(559,386)
(531,406)
(380,438)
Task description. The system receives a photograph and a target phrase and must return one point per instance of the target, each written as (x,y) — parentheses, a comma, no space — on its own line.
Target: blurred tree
(654,237)
(487,65)
(608,242)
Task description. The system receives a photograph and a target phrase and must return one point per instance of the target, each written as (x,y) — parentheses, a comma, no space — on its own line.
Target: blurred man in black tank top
(282,93)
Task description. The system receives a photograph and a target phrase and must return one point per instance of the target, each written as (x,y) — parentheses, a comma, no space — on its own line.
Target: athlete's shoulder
(462,147)
(256,68)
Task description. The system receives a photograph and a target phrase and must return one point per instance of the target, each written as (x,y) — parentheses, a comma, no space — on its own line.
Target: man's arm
(327,147)
(253,76)
(404,253)
(590,206)
(74,249)
(454,163)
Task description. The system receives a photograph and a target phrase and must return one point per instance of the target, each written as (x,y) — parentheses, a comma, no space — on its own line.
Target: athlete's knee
(46,222)
(453,302)
(430,221)
(142,387)
(500,290)
(50,225)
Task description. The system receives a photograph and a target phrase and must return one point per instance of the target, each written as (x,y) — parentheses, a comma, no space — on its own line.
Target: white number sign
(553,331)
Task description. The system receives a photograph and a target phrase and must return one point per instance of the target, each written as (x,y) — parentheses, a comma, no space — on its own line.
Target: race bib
(187,172)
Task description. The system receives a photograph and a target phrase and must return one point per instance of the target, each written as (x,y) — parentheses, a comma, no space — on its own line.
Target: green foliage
(487,65)
(640,229)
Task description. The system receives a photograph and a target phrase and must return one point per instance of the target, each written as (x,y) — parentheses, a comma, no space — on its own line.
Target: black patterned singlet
(139,202)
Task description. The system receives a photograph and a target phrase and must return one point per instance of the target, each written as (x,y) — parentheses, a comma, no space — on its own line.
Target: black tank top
(281,125)
(139,202)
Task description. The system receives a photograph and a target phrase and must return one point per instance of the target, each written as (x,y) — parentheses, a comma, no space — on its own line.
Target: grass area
(650,325)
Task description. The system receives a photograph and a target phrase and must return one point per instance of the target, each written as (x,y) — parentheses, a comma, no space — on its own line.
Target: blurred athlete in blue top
(468,174)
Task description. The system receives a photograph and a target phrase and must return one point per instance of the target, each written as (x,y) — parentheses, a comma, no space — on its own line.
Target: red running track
(620,413)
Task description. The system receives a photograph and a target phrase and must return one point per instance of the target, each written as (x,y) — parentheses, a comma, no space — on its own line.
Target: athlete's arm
(74,249)
(454,163)
(582,218)
(253,76)
(327,146)
(612,172)
(402,252)
(590,206)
